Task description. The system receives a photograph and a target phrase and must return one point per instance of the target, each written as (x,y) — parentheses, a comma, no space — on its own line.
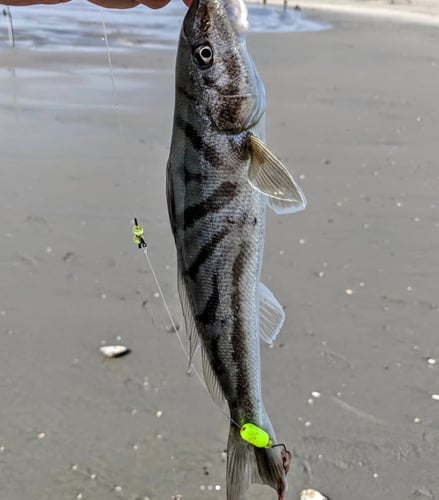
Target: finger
(116,4)
(22,3)
(155,4)
(128,4)
(111,4)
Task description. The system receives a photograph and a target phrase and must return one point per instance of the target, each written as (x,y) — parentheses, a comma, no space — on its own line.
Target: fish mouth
(194,12)
(236,12)
(196,3)
(201,13)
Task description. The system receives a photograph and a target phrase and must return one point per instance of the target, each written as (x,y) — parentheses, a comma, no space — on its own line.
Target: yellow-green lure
(138,235)
(256,436)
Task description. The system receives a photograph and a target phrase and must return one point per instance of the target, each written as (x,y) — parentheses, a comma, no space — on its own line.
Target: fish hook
(285,455)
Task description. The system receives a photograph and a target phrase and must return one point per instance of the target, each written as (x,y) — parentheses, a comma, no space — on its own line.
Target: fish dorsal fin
(212,382)
(191,329)
(271,315)
(269,176)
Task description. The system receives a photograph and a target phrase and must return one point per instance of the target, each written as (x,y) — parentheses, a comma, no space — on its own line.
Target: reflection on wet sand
(78,24)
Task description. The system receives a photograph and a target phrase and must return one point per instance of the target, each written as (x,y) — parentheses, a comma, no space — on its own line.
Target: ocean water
(79,24)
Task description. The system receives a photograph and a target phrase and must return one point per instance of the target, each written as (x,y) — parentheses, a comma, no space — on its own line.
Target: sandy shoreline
(353,112)
(417,11)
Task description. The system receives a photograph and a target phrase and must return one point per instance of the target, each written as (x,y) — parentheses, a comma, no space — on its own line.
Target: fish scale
(220,179)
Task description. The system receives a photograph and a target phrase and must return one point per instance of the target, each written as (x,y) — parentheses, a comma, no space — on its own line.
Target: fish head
(215,69)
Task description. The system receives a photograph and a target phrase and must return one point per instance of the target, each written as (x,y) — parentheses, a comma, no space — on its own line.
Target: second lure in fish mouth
(220,178)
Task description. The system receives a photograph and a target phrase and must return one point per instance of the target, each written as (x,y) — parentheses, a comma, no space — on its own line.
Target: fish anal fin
(190,326)
(268,175)
(271,315)
(212,382)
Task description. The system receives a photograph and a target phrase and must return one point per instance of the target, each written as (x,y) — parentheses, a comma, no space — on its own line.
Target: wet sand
(407,11)
(353,112)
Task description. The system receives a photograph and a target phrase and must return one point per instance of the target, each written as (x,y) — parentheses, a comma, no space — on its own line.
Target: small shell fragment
(311,494)
(114,351)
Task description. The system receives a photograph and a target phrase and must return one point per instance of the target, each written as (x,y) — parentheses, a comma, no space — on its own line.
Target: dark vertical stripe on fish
(190,176)
(190,132)
(209,152)
(171,202)
(187,95)
(208,316)
(238,336)
(206,251)
(225,193)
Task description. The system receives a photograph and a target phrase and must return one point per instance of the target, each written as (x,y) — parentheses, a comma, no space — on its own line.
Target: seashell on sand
(114,351)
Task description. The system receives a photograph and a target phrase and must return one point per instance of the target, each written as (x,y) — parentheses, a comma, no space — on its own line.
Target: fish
(220,179)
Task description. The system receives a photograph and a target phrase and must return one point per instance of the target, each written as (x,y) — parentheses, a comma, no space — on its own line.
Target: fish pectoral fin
(191,329)
(212,382)
(268,175)
(271,315)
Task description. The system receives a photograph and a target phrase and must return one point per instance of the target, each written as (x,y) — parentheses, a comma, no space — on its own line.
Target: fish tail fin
(247,464)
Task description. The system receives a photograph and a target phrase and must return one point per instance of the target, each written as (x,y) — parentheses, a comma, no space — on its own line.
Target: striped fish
(220,179)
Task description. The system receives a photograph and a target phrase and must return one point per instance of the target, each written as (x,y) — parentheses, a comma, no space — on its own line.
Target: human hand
(110,4)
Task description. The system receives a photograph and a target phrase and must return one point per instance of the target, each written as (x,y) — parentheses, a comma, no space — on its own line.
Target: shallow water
(79,24)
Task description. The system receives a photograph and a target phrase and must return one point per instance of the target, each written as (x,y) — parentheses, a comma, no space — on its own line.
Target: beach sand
(353,111)
(411,11)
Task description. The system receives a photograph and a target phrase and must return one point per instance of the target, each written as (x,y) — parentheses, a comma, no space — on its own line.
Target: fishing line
(138,238)
(177,496)
(11,36)
(110,65)
(168,312)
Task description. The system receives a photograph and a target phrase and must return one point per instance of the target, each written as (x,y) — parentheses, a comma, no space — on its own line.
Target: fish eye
(203,55)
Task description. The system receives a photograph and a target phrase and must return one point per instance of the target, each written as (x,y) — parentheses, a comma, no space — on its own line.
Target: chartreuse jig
(256,436)
(138,235)
(259,438)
